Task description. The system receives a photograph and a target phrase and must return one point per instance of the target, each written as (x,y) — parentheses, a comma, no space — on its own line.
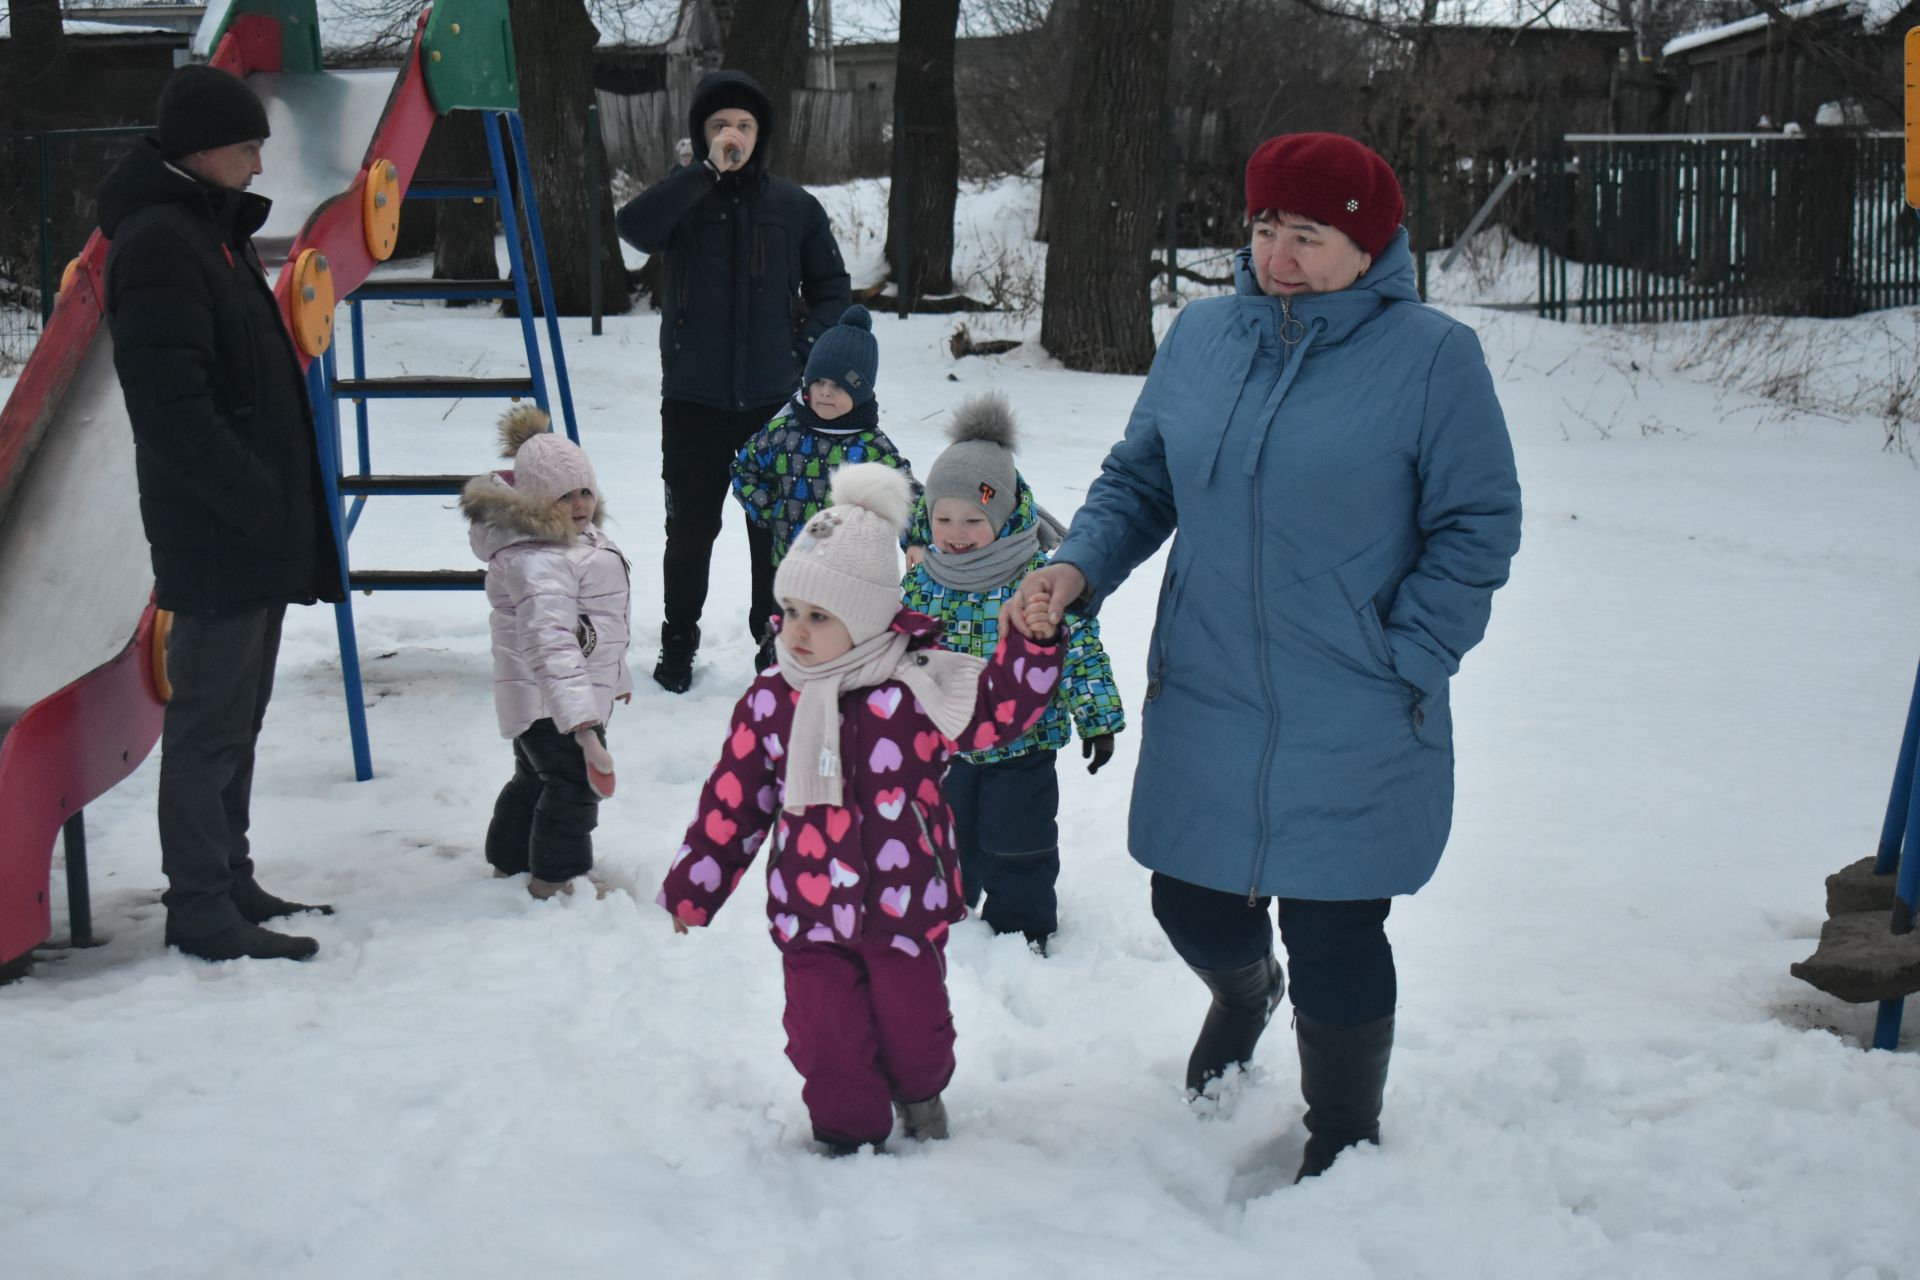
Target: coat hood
(142,179)
(1391,278)
(734,84)
(501,516)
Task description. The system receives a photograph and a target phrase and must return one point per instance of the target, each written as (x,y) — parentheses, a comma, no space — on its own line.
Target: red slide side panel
(64,753)
(50,369)
(252,43)
(336,228)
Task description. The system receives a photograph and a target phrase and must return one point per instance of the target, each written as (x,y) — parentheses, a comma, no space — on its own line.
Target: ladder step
(429,388)
(416,579)
(403,484)
(408,290)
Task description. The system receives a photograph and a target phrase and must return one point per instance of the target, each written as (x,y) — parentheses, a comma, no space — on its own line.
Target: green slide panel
(467,55)
(299,29)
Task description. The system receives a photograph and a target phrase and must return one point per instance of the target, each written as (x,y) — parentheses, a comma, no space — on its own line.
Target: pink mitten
(599,762)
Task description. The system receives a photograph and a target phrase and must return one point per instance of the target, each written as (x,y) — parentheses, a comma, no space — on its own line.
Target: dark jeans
(544,817)
(1004,820)
(221,667)
(697,445)
(1338,957)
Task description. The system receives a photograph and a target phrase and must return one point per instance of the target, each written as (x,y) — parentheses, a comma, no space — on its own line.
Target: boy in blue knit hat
(780,474)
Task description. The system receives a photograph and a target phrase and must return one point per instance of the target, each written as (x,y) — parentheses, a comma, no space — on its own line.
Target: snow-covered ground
(1683,718)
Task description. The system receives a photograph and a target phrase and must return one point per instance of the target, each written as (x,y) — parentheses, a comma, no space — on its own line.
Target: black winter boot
(764,656)
(244,941)
(1343,1077)
(674,671)
(257,906)
(1243,1001)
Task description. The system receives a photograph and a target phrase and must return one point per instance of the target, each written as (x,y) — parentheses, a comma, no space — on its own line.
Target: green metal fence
(1644,228)
(47,183)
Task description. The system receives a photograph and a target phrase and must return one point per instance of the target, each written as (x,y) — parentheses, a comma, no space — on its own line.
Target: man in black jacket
(754,275)
(230,487)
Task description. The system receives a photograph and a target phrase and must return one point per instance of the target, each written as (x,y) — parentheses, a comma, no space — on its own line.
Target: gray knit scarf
(1000,561)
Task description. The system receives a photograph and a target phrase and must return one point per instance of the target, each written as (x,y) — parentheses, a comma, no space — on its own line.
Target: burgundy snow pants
(867,1025)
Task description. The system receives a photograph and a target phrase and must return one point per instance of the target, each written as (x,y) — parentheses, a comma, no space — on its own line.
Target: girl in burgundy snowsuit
(839,750)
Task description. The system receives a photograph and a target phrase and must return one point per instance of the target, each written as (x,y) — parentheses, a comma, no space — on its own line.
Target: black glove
(1096,751)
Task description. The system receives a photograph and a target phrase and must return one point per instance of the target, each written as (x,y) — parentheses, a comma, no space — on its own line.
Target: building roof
(1873,14)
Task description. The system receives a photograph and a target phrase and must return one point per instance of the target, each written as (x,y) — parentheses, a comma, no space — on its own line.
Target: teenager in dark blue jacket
(753,276)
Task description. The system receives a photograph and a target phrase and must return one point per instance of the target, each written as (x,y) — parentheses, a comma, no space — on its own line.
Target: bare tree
(926,151)
(1106,202)
(767,39)
(553,46)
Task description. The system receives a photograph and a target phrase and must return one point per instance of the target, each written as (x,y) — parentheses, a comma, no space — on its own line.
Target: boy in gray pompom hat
(978,534)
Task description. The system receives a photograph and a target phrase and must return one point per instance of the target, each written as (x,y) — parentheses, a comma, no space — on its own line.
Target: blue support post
(1898,804)
(359,410)
(510,221)
(531,202)
(326,428)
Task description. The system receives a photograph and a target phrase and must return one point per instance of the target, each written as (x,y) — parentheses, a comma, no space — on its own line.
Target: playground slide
(82,682)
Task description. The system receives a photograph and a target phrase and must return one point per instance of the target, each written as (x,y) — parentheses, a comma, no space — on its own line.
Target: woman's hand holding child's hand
(1039,620)
(915,554)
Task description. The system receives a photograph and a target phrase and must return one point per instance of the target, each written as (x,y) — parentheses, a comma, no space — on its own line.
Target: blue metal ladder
(325,388)
(1902,821)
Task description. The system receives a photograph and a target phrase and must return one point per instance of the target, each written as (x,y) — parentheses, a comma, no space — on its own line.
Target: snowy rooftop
(86,27)
(1874,14)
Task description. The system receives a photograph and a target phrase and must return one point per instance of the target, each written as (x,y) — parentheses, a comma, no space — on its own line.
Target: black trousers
(1005,820)
(1338,958)
(221,667)
(544,817)
(697,445)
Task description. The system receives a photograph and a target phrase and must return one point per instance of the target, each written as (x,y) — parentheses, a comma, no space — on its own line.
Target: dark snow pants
(1005,821)
(697,446)
(544,817)
(221,668)
(1338,958)
(867,1025)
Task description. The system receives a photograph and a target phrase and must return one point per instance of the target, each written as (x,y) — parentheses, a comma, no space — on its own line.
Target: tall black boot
(1343,1077)
(1243,1000)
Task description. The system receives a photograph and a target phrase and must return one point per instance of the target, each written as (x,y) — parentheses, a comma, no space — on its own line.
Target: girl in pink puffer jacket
(558,586)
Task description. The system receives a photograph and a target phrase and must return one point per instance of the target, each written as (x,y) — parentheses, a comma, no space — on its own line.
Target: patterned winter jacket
(780,474)
(884,863)
(560,621)
(970,623)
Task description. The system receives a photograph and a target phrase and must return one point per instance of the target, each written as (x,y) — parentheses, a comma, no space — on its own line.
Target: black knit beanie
(203,107)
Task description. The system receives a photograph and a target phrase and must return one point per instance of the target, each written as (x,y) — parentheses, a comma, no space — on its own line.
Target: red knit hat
(1332,179)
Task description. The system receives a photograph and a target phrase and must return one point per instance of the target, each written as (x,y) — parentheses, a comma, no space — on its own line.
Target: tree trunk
(553,46)
(1105,206)
(767,39)
(926,152)
(463,229)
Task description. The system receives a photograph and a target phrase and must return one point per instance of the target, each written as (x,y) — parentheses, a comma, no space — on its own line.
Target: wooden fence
(1701,226)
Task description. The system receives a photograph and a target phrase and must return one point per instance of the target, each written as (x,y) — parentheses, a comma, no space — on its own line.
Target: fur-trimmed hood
(501,515)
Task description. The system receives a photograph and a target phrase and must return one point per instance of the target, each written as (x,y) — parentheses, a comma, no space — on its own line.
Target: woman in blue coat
(1332,464)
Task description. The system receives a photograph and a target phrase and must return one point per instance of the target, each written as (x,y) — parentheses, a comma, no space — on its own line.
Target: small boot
(257,906)
(1243,1001)
(924,1121)
(1343,1077)
(674,671)
(544,889)
(764,657)
(242,940)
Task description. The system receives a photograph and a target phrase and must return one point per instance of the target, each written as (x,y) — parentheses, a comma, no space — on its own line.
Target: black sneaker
(257,906)
(245,941)
(674,671)
(765,657)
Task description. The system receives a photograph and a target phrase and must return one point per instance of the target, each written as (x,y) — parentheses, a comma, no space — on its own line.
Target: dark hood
(709,88)
(142,179)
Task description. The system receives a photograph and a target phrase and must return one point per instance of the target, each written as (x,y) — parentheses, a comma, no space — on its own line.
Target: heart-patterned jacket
(884,862)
